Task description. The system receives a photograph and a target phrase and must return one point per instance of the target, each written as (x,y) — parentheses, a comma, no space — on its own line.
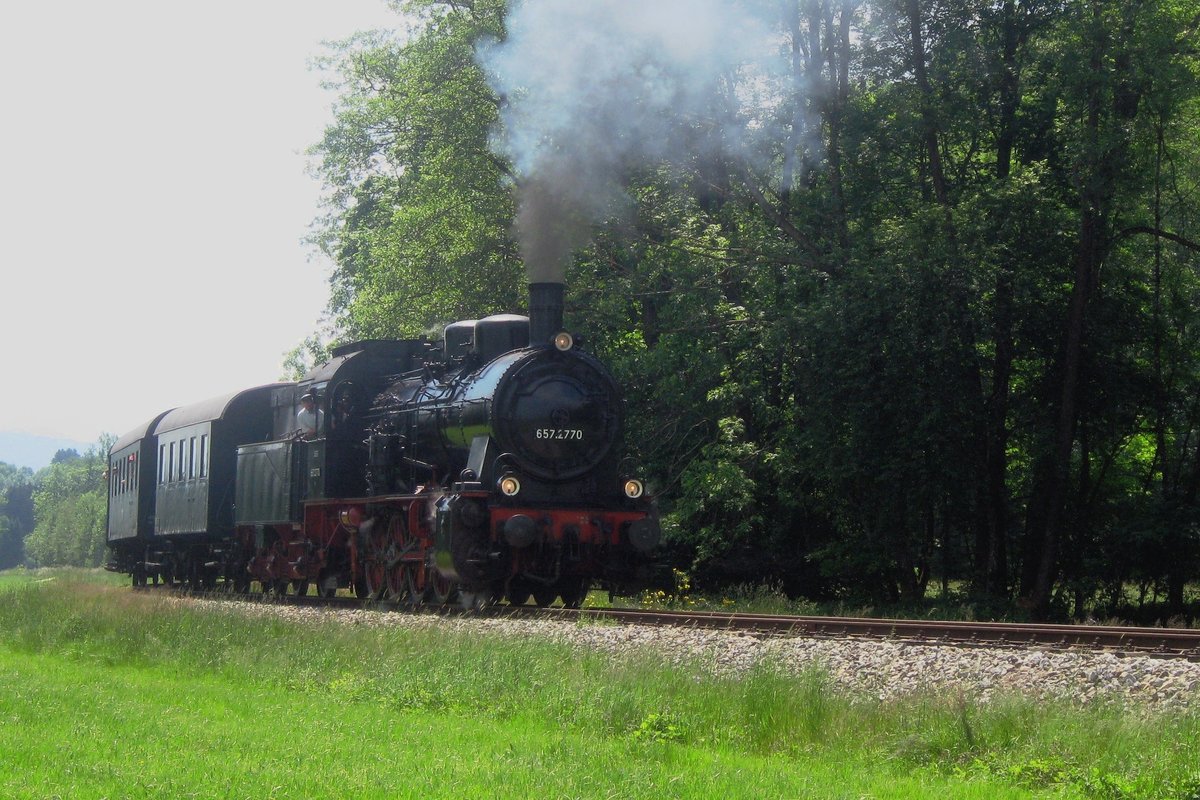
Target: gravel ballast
(883,670)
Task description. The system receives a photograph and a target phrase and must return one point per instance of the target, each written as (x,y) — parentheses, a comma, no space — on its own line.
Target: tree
(70,506)
(64,454)
(16,512)
(418,214)
(1108,78)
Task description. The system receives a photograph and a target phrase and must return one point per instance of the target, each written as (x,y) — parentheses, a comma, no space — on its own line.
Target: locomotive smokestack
(545,312)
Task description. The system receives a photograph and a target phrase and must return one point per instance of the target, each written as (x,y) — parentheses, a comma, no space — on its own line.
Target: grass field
(109,693)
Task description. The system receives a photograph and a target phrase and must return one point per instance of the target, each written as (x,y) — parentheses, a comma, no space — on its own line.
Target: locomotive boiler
(487,465)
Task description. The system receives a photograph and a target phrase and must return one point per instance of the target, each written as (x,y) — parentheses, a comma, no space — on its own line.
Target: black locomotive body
(486,467)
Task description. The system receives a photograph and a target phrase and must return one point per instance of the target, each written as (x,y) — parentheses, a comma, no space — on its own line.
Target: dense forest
(902,293)
(56,516)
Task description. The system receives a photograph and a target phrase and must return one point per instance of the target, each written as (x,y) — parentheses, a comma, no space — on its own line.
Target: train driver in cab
(310,419)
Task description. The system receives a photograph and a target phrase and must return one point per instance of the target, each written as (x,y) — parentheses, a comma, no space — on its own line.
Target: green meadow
(107,693)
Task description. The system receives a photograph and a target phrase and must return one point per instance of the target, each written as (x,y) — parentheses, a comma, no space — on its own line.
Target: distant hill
(35,452)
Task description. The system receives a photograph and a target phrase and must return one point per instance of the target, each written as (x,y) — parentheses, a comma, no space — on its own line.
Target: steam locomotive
(481,467)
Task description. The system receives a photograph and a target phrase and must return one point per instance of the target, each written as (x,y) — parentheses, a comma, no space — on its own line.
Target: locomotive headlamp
(510,485)
(564,341)
(634,488)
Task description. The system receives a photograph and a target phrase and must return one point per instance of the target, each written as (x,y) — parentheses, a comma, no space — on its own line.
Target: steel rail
(1165,642)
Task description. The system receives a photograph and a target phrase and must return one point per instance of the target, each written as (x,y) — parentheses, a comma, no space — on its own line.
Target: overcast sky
(153,198)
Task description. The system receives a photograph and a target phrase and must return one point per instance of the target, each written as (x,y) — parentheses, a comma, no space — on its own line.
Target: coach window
(203,455)
(133,473)
(192,457)
(162,464)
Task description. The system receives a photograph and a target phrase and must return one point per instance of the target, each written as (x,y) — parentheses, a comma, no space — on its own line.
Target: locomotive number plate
(560,434)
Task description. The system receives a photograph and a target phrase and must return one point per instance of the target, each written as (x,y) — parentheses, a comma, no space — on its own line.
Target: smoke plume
(596,88)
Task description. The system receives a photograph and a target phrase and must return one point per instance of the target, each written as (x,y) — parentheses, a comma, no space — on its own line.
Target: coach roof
(209,410)
(140,432)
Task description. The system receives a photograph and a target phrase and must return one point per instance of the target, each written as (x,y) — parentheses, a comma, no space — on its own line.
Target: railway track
(1160,642)
(1182,643)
